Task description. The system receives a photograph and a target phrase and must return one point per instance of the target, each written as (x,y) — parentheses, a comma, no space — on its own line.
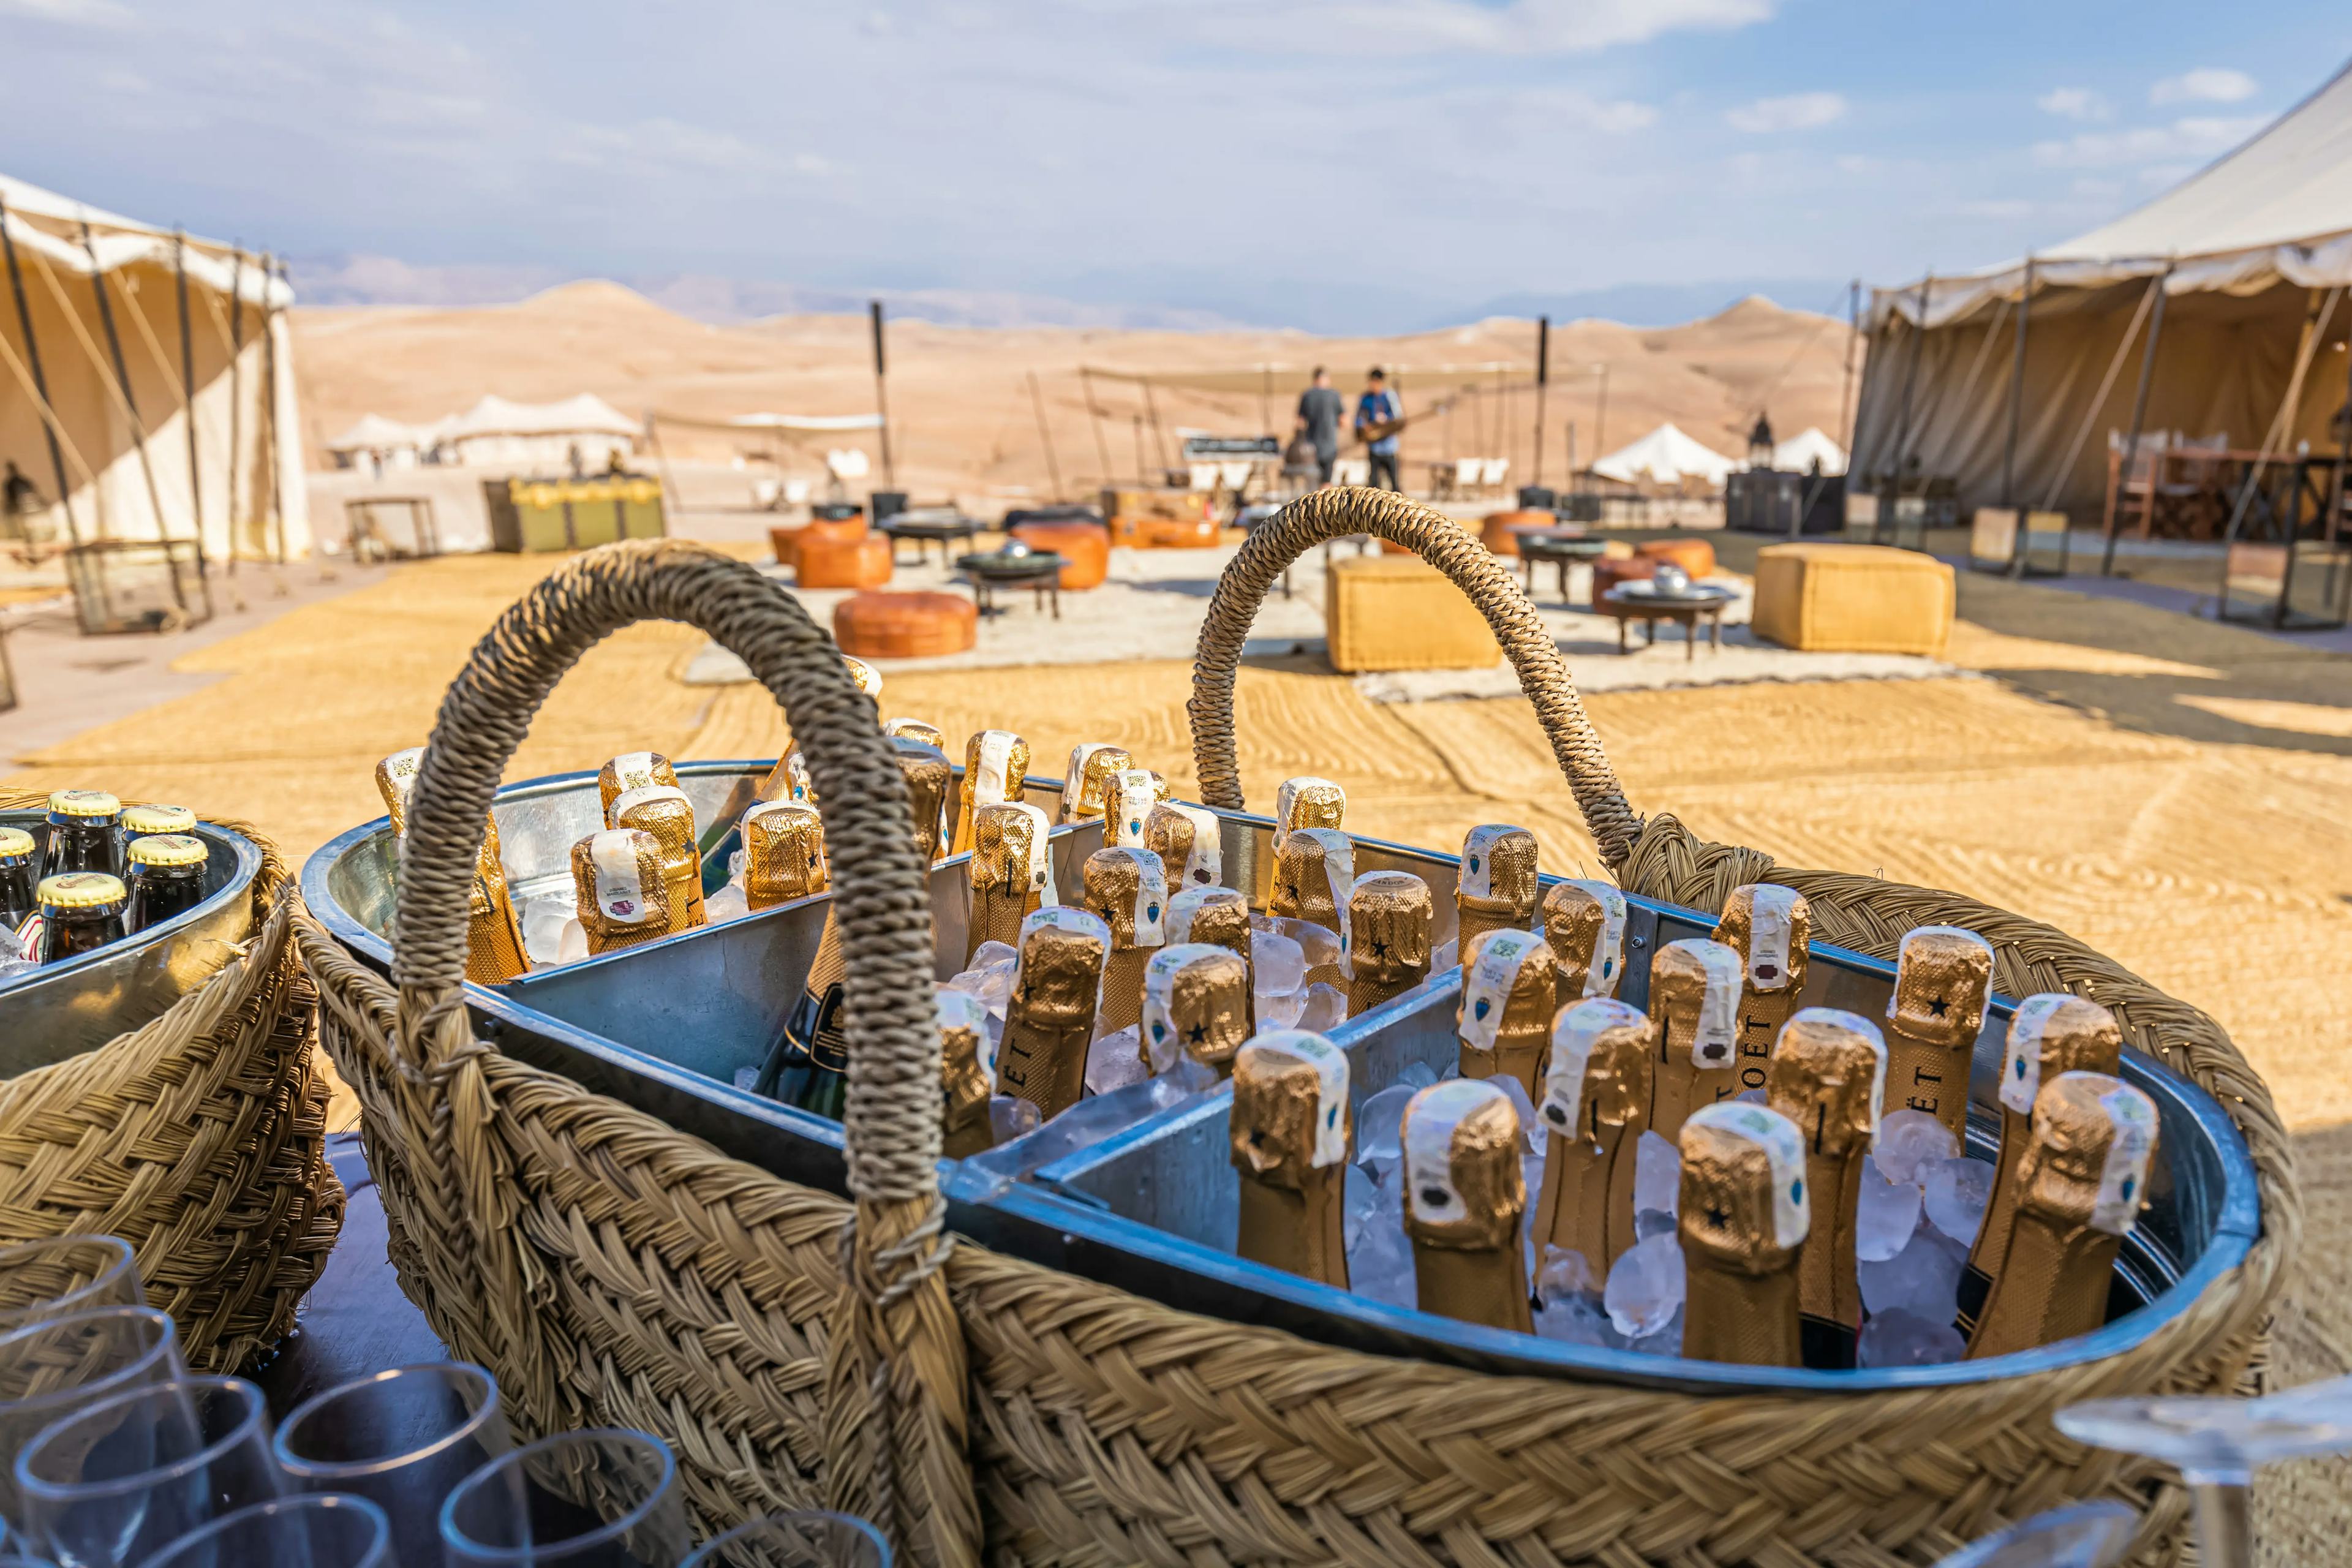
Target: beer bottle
(1695,997)
(1011,873)
(1595,1107)
(1086,782)
(631,770)
(1313,873)
(1504,1019)
(1196,1003)
(1305,802)
(1289,1134)
(1389,918)
(1128,798)
(395,780)
(928,779)
(494,949)
(1828,1077)
(967,1074)
(996,770)
(167,878)
(1189,842)
(1585,921)
(1219,916)
(1126,888)
(81,911)
(2080,1185)
(784,854)
(85,833)
(1942,980)
(663,811)
(1767,926)
(1049,1020)
(1463,1195)
(19,883)
(915,729)
(1745,1214)
(2050,1034)
(1498,886)
(623,899)
(142,821)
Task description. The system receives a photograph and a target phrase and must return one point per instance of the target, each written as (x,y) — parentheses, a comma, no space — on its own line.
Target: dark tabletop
(1012,568)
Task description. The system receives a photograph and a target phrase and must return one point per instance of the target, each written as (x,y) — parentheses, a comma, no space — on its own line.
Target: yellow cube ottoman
(1398,612)
(1853,598)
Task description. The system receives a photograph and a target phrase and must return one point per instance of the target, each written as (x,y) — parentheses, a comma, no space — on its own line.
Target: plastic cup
(2088,1535)
(319,1530)
(50,1369)
(64,1275)
(403,1439)
(799,1539)
(606,1497)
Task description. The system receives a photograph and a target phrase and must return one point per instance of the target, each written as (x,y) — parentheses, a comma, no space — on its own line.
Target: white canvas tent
(146,384)
(1667,456)
(2212,292)
(1797,454)
(386,442)
(496,433)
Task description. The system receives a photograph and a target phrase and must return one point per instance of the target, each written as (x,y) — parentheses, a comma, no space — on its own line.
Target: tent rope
(49,415)
(2314,331)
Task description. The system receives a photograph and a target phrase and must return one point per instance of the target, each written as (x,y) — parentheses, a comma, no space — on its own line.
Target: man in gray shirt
(1318,422)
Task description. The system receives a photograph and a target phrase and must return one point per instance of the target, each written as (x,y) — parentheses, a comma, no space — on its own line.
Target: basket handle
(1338,513)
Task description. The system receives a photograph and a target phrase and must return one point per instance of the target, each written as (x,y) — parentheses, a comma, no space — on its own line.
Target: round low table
(923,530)
(1686,610)
(1039,571)
(1559,547)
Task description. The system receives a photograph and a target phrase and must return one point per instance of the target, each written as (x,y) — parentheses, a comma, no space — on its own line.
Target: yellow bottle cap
(166,849)
(84,803)
(14,841)
(81,891)
(142,820)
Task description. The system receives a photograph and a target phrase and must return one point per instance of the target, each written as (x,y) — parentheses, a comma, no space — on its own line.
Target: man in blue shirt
(1377,407)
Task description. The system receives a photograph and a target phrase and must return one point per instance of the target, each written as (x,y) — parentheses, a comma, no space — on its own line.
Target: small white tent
(146,384)
(388,442)
(1667,456)
(550,437)
(1797,454)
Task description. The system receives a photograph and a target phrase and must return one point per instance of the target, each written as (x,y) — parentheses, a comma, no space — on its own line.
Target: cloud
(1798,111)
(2198,136)
(1409,27)
(2075,103)
(73,13)
(2207,84)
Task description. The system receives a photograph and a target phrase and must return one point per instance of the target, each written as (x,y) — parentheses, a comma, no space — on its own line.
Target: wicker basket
(611,1269)
(199,1138)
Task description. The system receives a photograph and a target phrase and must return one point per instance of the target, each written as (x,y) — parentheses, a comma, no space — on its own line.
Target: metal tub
(61,1010)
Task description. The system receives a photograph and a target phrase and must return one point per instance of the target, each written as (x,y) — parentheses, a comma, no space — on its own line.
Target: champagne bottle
(995,768)
(630,770)
(20,882)
(1769,927)
(1219,916)
(1312,872)
(1504,1019)
(784,854)
(1127,799)
(663,811)
(1189,842)
(1086,782)
(623,899)
(1827,1076)
(928,779)
(395,780)
(1744,1217)
(494,950)
(167,878)
(85,833)
(1305,802)
(1388,919)
(1497,887)
(1196,1003)
(1463,1195)
(1289,1135)
(915,729)
(1942,980)
(1595,1107)
(967,1074)
(1011,873)
(2080,1185)
(81,911)
(2050,1034)
(147,821)
(1049,1020)
(1695,997)
(1127,889)
(1585,921)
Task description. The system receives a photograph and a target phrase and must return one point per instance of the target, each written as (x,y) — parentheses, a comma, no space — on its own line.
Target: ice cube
(992,982)
(1417,1075)
(1380,1126)
(1573,1319)
(1648,1223)
(1318,946)
(573,947)
(1752,1096)
(15,968)
(1359,1200)
(14,948)
(544,921)
(1010,1117)
(1924,1277)
(1324,1009)
(989,952)
(1115,1061)
(1897,1337)
(736,860)
(1277,964)
(1445,955)
(1516,1093)
(1280,1010)
(1657,1174)
(536,835)
(729,903)
(1666,1342)
(1957,1193)
(1907,1140)
(747,1079)
(1192,1077)
(1885,1215)
(1564,1273)
(1083,1125)
(1379,1263)
(1532,1175)
(1646,1286)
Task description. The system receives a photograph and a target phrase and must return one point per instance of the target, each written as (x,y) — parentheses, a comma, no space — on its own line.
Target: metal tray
(61,1010)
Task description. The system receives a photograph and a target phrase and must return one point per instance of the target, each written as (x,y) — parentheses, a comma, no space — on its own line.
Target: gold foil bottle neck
(928,778)
(1694,994)
(916,730)
(1769,926)
(1290,1115)
(1464,1186)
(967,1057)
(395,780)
(1086,780)
(1585,921)
(2087,1166)
(1942,979)
(1057,978)
(1389,915)
(1599,1072)
(631,770)
(1219,915)
(1744,1205)
(1498,873)
(622,898)
(1311,873)
(1196,1001)
(1128,891)
(2056,1033)
(1008,848)
(784,854)
(868,679)
(1827,1076)
(1128,798)
(1307,802)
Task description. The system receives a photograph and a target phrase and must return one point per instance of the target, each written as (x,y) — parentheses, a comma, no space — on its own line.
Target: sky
(1339,165)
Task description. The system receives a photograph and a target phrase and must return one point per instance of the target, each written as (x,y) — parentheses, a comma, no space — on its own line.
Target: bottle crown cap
(84,803)
(81,891)
(142,820)
(14,841)
(166,849)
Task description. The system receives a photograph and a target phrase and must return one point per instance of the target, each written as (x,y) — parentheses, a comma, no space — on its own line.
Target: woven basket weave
(199,1138)
(611,1269)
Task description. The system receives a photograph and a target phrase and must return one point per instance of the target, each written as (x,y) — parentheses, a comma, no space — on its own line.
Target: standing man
(1376,409)
(1318,423)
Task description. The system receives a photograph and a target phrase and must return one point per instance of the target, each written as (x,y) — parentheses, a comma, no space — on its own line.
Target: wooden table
(1649,609)
(1560,547)
(1040,571)
(939,531)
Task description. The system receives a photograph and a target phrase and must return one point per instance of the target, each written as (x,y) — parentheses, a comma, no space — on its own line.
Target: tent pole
(2016,393)
(188,393)
(1543,381)
(1046,435)
(40,381)
(1158,438)
(1600,418)
(1845,391)
(1266,399)
(236,395)
(269,413)
(1094,420)
(2139,417)
(1910,376)
(2317,319)
(882,397)
(130,405)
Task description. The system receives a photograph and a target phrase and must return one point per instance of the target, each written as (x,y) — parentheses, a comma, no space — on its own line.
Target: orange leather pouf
(905,626)
(1607,575)
(1696,556)
(860,563)
(1499,532)
(837,531)
(1085,548)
